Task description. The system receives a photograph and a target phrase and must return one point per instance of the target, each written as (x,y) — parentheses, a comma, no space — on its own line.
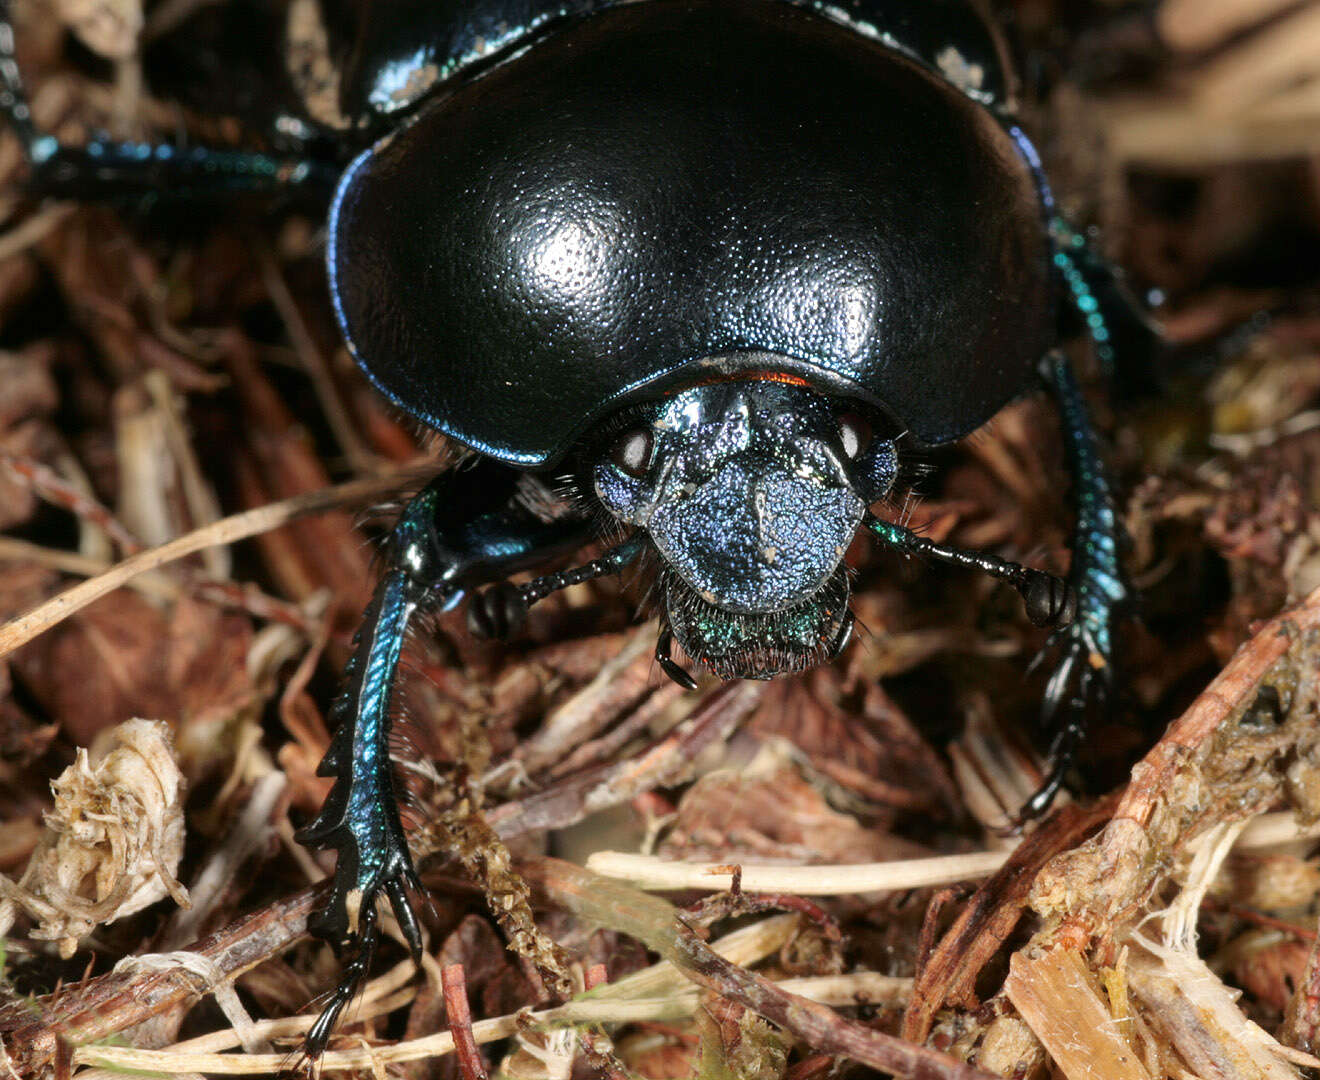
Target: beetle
(717,262)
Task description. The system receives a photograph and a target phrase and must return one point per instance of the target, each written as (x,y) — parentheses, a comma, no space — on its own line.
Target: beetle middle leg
(1082,680)
(468,527)
(1083,609)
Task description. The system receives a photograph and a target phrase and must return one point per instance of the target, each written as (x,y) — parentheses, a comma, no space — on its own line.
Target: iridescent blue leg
(1127,342)
(1133,351)
(467,528)
(1082,680)
(110,169)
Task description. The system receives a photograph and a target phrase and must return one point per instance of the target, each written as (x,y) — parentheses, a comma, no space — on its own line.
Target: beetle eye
(855,433)
(632,453)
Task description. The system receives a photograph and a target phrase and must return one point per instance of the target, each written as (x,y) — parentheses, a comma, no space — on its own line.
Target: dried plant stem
(656,923)
(359,456)
(199,1055)
(203,506)
(454,984)
(108,1004)
(244,596)
(56,490)
(1194,25)
(1274,59)
(34,229)
(664,763)
(1123,848)
(1057,997)
(72,562)
(653,872)
(23,629)
(1170,132)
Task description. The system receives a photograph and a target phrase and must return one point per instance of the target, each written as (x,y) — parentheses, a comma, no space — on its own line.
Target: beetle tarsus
(1081,682)
(356,965)
(1079,687)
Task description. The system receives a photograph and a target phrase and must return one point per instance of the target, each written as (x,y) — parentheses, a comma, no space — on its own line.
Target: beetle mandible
(709,258)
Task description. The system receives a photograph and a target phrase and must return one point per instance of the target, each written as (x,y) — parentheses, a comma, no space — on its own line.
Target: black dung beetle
(707,259)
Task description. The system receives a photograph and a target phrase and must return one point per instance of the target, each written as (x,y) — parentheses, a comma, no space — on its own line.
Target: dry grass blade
(655,873)
(23,629)
(657,923)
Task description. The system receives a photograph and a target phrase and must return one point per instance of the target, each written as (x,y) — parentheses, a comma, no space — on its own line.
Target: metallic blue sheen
(360,817)
(1096,573)
(1068,241)
(464,529)
(751,500)
(1032,157)
(749,497)
(371,813)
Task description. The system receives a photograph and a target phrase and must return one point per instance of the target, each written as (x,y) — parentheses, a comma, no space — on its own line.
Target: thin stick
(651,872)
(34,229)
(52,487)
(358,455)
(839,990)
(23,629)
(72,562)
(470,1064)
(1193,25)
(658,925)
(243,596)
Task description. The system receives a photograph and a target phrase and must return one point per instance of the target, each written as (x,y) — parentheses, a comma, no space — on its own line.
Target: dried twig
(1117,866)
(656,922)
(658,993)
(236,527)
(846,879)
(1195,25)
(52,487)
(667,761)
(108,1004)
(470,1063)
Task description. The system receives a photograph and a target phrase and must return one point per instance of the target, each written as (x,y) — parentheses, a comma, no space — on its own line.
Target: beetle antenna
(1049,600)
(499,612)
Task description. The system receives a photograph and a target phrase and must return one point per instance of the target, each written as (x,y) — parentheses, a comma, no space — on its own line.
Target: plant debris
(113,842)
(188,458)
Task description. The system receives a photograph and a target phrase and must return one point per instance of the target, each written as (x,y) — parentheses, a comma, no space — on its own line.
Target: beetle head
(751,491)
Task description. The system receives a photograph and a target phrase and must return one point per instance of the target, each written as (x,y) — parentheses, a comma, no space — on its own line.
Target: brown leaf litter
(184,446)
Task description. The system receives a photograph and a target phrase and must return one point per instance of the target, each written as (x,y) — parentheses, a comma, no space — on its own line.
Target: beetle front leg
(466,528)
(1082,680)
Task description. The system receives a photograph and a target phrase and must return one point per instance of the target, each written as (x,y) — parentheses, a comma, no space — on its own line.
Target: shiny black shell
(672,189)
(400,50)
